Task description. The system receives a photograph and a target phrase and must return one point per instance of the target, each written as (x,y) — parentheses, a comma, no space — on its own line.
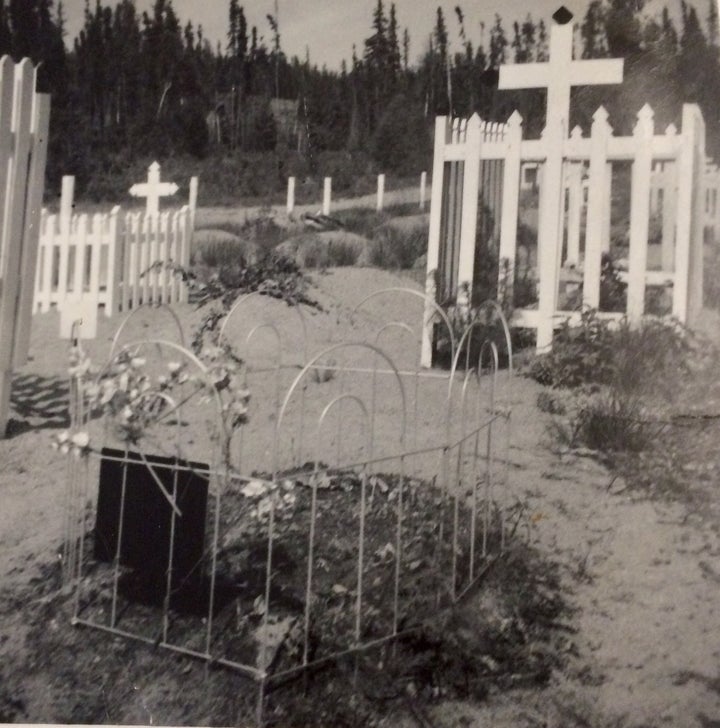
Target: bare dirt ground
(641,570)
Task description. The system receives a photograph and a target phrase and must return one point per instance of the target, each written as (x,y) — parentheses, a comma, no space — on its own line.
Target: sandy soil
(642,574)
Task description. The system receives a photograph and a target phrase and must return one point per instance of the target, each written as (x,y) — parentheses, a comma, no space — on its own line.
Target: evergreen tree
(542,42)
(394,58)
(406,50)
(528,38)
(712,23)
(623,27)
(592,31)
(498,44)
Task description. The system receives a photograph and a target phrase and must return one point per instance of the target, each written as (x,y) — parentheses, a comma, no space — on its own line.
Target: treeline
(140,85)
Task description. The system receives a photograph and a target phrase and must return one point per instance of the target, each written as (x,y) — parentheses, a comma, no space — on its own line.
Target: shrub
(580,354)
(361,220)
(619,378)
(402,142)
(219,253)
(393,248)
(632,358)
(262,231)
(330,254)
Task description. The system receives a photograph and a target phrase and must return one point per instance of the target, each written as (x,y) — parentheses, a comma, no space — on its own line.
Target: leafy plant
(613,292)
(580,354)
(621,376)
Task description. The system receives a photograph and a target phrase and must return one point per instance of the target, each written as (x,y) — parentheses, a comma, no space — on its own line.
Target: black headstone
(147,519)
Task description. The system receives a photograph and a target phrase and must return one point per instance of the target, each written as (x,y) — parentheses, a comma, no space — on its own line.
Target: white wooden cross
(561,73)
(153,189)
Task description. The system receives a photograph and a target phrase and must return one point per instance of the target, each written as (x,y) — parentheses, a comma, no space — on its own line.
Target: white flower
(137,362)
(174,367)
(253,488)
(81,439)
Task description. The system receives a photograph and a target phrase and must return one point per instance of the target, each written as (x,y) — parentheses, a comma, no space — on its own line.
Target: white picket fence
(462,177)
(24,122)
(106,258)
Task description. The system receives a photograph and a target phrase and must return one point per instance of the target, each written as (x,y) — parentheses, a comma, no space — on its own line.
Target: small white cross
(153,189)
(560,74)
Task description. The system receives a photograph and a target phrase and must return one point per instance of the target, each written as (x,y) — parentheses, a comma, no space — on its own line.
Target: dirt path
(643,575)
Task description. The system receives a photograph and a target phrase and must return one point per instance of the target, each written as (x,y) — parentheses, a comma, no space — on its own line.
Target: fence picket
(164,256)
(31,232)
(22,77)
(115,260)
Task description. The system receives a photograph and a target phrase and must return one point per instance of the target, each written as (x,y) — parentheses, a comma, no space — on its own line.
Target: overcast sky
(330,27)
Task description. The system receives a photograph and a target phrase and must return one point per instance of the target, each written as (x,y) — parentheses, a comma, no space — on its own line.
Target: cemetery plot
(360,529)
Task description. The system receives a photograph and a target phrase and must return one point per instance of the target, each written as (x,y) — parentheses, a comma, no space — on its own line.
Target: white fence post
(640,213)
(433,252)
(510,200)
(290,195)
(468,220)
(16,122)
(423,185)
(46,262)
(575,205)
(597,207)
(31,232)
(192,199)
(549,230)
(115,260)
(184,248)
(327,194)
(688,287)
(669,209)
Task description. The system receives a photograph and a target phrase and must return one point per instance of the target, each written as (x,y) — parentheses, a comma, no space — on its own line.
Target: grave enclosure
(102,260)
(331,526)
(552,208)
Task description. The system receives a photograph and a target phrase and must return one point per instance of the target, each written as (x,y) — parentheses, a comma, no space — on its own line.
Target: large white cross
(153,189)
(560,74)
